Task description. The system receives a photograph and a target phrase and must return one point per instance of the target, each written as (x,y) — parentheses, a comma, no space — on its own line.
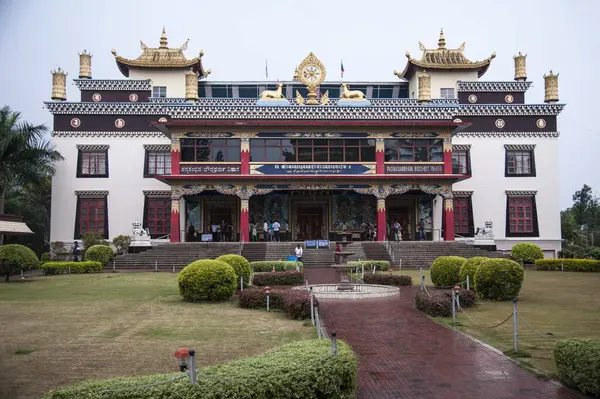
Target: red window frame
(92,215)
(315,150)
(519,162)
(461,166)
(158,216)
(520,215)
(462,216)
(93,163)
(158,163)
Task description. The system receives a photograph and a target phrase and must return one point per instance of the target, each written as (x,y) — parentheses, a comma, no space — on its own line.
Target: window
(248,91)
(157,163)
(409,150)
(520,163)
(460,162)
(210,150)
(91,216)
(159,91)
(92,161)
(447,93)
(222,91)
(334,90)
(312,150)
(157,216)
(463,216)
(383,92)
(521,216)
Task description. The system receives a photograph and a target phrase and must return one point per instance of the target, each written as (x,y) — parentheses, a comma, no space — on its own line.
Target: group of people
(271,231)
(368,231)
(221,232)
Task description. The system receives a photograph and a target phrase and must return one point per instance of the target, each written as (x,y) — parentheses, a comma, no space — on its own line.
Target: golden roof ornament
(311,72)
(276,94)
(442,40)
(520,67)
(551,88)
(85,65)
(191,85)
(424,81)
(161,57)
(59,85)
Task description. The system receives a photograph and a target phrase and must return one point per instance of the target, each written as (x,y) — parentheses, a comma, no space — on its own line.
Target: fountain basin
(355,291)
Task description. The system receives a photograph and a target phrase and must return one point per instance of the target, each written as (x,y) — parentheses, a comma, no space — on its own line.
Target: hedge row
(279,265)
(439,304)
(568,265)
(386,279)
(303,369)
(240,265)
(382,265)
(99,253)
(295,303)
(53,268)
(278,278)
(578,364)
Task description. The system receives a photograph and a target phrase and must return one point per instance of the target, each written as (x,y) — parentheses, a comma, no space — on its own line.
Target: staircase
(423,253)
(166,256)
(310,257)
(376,251)
(255,251)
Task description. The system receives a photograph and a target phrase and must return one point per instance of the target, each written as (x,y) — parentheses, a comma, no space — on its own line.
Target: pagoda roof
(161,57)
(443,58)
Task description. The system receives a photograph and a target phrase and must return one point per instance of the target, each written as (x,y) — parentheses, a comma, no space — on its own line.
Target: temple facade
(442,153)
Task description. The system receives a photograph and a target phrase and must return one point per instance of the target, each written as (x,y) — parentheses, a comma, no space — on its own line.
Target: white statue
(486,230)
(138,231)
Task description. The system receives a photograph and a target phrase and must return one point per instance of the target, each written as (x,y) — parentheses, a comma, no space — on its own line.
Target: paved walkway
(404,354)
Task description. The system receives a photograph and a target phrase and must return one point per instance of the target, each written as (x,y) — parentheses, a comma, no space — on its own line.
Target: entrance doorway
(310,221)
(404,216)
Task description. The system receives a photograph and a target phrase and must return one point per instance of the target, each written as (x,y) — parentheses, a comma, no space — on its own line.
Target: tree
(26,156)
(585,206)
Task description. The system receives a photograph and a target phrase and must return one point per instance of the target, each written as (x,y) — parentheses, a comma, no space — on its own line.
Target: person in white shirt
(266,231)
(276,228)
(299,253)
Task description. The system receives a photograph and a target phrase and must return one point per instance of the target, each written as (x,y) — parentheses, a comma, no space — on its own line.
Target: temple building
(435,149)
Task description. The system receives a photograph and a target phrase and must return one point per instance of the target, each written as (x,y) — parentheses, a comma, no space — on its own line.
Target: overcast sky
(370,36)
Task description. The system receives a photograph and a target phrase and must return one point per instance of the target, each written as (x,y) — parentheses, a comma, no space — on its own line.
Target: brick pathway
(404,354)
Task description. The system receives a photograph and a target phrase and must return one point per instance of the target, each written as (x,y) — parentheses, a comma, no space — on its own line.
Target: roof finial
(163,39)
(442,40)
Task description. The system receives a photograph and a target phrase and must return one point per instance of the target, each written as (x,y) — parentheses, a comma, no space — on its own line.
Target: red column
(380,157)
(244,221)
(245,156)
(175,228)
(447,156)
(381,219)
(175,156)
(449,219)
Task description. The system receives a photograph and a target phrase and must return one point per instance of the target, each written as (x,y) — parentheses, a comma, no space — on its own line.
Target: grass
(104,325)
(557,305)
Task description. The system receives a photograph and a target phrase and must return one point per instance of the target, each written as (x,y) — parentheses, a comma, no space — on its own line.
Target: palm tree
(27,157)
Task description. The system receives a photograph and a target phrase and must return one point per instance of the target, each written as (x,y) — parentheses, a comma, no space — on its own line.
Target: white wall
(173,79)
(125,183)
(489,186)
(441,80)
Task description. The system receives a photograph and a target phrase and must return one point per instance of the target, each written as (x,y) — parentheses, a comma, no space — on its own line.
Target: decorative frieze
(157,147)
(505,87)
(107,134)
(523,193)
(106,108)
(92,147)
(510,110)
(508,134)
(91,193)
(461,147)
(519,147)
(114,84)
(157,193)
(462,194)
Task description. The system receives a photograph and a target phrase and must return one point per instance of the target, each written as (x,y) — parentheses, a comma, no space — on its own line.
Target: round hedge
(445,270)
(527,252)
(499,279)
(469,268)
(240,265)
(99,253)
(207,280)
(16,257)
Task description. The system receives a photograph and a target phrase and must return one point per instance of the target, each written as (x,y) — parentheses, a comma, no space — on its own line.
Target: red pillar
(447,156)
(449,219)
(175,157)
(380,157)
(245,156)
(381,219)
(244,221)
(175,228)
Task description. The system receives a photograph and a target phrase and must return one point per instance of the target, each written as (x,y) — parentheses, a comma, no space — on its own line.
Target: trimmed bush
(267,265)
(45,257)
(466,298)
(295,303)
(278,278)
(445,270)
(578,364)
(499,279)
(240,265)
(100,253)
(437,305)
(303,369)
(386,279)
(568,265)
(207,280)
(16,257)
(53,268)
(469,268)
(92,238)
(526,252)
(122,243)
(382,265)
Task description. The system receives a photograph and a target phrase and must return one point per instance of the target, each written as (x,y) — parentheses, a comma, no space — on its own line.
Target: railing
(390,250)
(241,246)
(163,237)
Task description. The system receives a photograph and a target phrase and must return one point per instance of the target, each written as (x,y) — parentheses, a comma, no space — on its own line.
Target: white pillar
(438,208)
(182,219)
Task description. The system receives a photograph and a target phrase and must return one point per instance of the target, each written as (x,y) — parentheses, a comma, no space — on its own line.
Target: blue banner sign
(312,169)
(310,244)
(323,244)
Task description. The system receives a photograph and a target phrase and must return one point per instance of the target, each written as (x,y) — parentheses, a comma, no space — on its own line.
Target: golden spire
(442,41)
(163,39)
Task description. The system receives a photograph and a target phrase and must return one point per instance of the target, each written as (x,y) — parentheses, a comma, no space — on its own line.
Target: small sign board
(310,244)
(207,237)
(323,244)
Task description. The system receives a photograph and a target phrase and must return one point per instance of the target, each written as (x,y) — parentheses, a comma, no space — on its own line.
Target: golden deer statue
(352,94)
(273,94)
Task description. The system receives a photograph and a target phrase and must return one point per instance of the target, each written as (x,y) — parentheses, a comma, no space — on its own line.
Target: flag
(266,70)
(342,68)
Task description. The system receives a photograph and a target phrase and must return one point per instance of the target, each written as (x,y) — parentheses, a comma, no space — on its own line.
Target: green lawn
(557,305)
(60,329)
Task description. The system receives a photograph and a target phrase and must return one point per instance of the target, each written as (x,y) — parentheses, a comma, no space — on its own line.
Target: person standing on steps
(397,229)
(266,230)
(421,230)
(276,228)
(299,251)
